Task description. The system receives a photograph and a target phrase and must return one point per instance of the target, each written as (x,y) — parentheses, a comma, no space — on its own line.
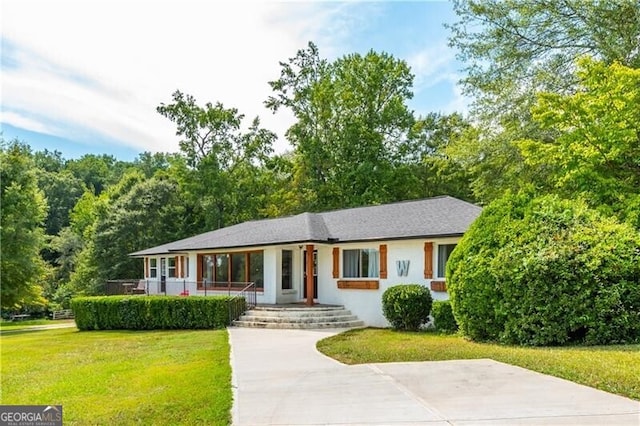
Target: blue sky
(85,77)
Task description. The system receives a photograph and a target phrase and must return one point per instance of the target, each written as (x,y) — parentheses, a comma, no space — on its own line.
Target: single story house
(356,254)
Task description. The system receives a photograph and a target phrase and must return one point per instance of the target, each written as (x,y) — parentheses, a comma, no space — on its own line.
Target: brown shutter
(199,269)
(383,261)
(146,267)
(336,262)
(428,260)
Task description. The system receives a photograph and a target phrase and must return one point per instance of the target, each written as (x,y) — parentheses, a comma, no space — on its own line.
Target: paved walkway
(279,378)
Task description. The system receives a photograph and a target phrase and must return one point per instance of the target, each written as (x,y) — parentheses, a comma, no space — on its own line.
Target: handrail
(249,294)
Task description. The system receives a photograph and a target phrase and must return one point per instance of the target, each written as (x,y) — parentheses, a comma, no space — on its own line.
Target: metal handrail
(249,294)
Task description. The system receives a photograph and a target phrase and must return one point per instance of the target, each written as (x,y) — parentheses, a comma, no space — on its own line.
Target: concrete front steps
(299,316)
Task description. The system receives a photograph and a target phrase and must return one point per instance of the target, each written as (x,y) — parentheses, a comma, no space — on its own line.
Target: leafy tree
(147,214)
(97,171)
(150,163)
(515,50)
(224,162)
(352,126)
(593,145)
(21,233)
(61,190)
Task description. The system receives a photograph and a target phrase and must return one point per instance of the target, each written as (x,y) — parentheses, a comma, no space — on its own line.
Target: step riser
(302,317)
(351,324)
(285,314)
(256,318)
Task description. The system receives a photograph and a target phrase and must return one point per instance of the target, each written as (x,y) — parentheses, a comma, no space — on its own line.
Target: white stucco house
(356,253)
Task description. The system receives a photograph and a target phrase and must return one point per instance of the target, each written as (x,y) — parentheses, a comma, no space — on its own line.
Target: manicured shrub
(406,306)
(443,318)
(153,312)
(546,271)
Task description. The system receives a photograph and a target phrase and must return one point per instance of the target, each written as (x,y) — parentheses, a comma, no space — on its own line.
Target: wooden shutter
(428,260)
(383,261)
(146,267)
(199,269)
(336,262)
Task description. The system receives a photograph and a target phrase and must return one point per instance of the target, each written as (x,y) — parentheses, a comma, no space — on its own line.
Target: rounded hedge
(406,306)
(546,271)
(443,319)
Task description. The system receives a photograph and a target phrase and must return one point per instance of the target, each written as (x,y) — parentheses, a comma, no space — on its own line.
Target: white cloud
(431,65)
(83,69)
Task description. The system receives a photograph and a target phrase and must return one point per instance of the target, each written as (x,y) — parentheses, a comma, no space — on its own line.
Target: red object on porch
(185,293)
(310,274)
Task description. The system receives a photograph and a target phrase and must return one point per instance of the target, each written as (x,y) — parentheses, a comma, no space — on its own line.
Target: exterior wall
(367,304)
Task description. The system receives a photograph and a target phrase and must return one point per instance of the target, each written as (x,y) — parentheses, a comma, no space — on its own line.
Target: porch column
(309,275)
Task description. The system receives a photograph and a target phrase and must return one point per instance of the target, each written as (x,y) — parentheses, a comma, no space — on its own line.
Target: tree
(149,213)
(61,190)
(593,147)
(97,171)
(352,125)
(21,232)
(515,50)
(224,162)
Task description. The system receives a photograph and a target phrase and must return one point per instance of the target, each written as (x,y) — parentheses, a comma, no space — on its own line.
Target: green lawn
(613,369)
(121,377)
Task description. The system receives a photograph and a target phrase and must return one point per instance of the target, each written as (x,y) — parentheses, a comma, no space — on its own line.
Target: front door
(315,274)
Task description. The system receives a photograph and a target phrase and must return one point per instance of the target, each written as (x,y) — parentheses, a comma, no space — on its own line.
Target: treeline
(556,89)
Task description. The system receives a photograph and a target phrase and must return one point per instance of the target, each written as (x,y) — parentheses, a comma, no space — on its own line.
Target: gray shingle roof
(432,217)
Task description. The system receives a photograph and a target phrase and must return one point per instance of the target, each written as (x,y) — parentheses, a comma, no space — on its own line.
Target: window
(153,267)
(444,251)
(172,267)
(222,269)
(256,268)
(360,263)
(287,269)
(207,270)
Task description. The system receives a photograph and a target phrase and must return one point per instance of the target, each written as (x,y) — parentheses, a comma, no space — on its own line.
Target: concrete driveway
(279,378)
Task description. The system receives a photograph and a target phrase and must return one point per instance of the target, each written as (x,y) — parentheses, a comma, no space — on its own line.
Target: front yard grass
(121,377)
(14,325)
(614,369)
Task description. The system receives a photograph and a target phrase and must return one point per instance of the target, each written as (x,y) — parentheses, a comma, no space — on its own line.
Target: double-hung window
(444,251)
(153,267)
(360,263)
(172,267)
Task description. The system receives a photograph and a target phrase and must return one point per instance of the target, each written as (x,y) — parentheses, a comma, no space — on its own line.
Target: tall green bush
(406,306)
(153,312)
(546,271)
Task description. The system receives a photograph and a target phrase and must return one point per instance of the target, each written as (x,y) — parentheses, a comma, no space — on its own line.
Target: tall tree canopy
(352,125)
(21,228)
(515,50)
(223,159)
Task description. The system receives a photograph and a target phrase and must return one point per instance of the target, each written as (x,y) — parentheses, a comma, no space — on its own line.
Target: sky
(85,77)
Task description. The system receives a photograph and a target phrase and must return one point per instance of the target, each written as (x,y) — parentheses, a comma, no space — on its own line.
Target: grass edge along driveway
(121,377)
(614,369)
